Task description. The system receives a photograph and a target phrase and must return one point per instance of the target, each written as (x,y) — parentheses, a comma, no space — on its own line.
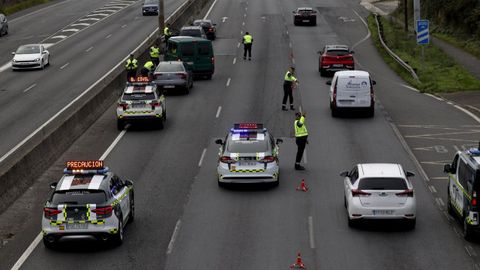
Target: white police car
(88,202)
(249,154)
(463,189)
(141,101)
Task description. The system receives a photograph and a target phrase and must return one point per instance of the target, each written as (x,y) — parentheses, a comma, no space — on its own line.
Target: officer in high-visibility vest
(288,85)
(301,135)
(166,32)
(148,68)
(155,54)
(247,46)
(131,66)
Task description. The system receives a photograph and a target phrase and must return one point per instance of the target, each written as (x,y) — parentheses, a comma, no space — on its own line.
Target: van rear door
(204,59)
(187,52)
(353,91)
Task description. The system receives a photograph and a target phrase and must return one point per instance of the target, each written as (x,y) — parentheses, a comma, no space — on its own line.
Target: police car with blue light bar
(249,154)
(141,101)
(89,201)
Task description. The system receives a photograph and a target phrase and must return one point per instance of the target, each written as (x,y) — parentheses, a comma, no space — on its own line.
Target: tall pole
(405,9)
(161,23)
(416,12)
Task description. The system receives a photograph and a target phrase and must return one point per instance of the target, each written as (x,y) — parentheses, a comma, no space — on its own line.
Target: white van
(352,89)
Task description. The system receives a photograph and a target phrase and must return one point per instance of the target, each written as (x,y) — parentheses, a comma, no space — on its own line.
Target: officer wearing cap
(288,84)
(131,66)
(301,135)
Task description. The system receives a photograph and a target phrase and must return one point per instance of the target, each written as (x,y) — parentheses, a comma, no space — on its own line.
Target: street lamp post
(161,23)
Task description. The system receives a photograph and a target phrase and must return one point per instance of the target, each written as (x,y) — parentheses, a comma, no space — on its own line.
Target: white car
(379,191)
(30,56)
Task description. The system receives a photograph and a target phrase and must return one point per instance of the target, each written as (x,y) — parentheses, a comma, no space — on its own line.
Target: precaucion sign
(423,36)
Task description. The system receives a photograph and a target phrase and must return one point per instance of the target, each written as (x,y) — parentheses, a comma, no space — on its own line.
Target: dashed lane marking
(228,82)
(58,37)
(440,202)
(174,236)
(98,14)
(107,37)
(310,232)
(70,30)
(218,111)
(202,157)
(432,189)
(123,26)
(89,49)
(234,60)
(30,88)
(89,19)
(64,66)
(80,24)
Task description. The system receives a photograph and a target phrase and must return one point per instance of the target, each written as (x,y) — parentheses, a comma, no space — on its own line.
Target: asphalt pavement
(185,221)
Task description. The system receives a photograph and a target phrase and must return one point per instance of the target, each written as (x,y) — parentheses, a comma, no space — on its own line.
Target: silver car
(379,191)
(3,25)
(193,31)
(150,7)
(30,56)
(173,76)
(249,154)
(88,202)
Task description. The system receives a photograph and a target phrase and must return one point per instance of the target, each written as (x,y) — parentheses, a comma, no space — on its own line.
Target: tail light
(226,159)
(210,29)
(103,210)
(49,212)
(182,75)
(405,193)
(360,193)
(474,199)
(155,104)
(213,60)
(124,106)
(268,159)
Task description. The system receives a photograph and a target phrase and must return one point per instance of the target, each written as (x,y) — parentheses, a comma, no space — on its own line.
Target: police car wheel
(371,111)
(131,217)
(467,231)
(161,123)
(118,237)
(449,206)
(186,90)
(411,224)
(334,112)
(120,125)
(49,243)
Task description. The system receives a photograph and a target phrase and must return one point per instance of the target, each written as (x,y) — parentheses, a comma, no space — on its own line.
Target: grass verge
(8,10)
(437,71)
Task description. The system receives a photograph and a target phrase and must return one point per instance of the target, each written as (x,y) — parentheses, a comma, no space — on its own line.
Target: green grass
(8,10)
(437,72)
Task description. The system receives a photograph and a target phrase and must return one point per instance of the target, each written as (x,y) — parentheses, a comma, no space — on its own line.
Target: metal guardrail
(392,54)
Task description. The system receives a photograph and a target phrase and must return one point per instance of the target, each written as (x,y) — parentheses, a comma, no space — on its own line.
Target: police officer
(301,135)
(288,84)
(131,66)
(166,32)
(148,68)
(247,46)
(155,54)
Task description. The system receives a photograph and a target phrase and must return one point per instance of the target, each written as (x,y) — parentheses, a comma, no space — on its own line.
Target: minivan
(196,52)
(352,90)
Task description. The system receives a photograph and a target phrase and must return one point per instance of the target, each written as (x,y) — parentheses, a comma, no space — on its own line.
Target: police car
(89,201)
(141,100)
(463,188)
(249,154)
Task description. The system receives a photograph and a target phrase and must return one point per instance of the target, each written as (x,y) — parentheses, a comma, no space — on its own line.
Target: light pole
(161,23)
(405,9)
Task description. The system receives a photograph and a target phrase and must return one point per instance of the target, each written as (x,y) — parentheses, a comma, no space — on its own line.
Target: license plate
(337,65)
(169,86)
(305,20)
(77,226)
(138,105)
(382,212)
(247,163)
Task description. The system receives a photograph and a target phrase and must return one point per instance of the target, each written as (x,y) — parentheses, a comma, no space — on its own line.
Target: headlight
(37,60)
(13,60)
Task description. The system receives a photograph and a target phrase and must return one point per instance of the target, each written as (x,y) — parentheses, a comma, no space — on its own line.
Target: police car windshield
(79,197)
(138,96)
(382,183)
(28,50)
(337,52)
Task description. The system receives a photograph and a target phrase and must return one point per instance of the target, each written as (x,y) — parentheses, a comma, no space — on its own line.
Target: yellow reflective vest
(300,131)
(247,39)
(166,31)
(131,64)
(289,77)
(149,65)
(154,52)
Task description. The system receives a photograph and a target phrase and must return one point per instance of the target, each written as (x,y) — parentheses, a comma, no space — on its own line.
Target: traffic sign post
(423,34)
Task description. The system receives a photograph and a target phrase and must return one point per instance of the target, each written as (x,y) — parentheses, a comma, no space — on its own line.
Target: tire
(48,61)
(48,244)
(323,73)
(314,23)
(131,216)
(42,65)
(120,124)
(277,183)
(371,112)
(351,222)
(345,201)
(209,76)
(220,184)
(411,224)
(334,112)
(467,231)
(450,209)
(186,90)
(117,238)
(161,123)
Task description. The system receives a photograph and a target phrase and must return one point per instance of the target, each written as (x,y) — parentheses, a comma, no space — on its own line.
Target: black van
(196,52)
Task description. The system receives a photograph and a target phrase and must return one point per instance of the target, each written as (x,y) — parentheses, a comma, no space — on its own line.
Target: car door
(121,195)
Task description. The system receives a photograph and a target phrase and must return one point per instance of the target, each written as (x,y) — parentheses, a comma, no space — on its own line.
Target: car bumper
(248,175)
(26,65)
(59,232)
(150,12)
(332,68)
(356,211)
(305,19)
(173,85)
(134,116)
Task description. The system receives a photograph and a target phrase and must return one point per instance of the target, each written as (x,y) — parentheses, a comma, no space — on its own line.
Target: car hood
(26,57)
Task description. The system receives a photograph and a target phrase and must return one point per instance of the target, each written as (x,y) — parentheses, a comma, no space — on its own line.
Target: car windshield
(337,52)
(251,145)
(382,183)
(28,50)
(151,2)
(191,32)
(169,67)
(79,197)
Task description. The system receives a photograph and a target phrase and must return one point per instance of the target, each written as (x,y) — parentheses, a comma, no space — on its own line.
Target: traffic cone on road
(298,263)
(302,186)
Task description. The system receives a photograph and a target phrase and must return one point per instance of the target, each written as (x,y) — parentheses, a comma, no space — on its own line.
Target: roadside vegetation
(437,71)
(9,9)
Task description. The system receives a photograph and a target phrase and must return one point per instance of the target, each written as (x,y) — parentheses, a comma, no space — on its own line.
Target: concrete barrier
(28,162)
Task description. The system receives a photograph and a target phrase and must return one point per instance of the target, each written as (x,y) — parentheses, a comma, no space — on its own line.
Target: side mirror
(294,12)
(53,185)
(352,52)
(219,141)
(44,52)
(344,174)
(329,82)
(214,24)
(447,168)
(410,174)
(374,82)
(128,183)
(13,53)
(278,141)
(319,52)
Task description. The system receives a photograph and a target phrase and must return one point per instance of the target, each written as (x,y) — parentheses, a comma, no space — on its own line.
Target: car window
(353,175)
(191,32)
(116,185)
(382,183)
(172,48)
(169,67)
(203,48)
(79,197)
(337,52)
(28,50)
(188,49)
(465,173)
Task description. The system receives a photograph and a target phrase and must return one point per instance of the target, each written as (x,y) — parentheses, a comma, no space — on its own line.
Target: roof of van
(356,73)
(187,38)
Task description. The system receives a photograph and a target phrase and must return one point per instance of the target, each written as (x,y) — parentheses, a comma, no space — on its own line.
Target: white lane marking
(293,61)
(30,88)
(123,26)
(89,49)
(228,81)
(409,87)
(440,178)
(70,30)
(468,251)
(234,60)
(310,232)
(440,202)
(210,9)
(108,36)
(243,23)
(80,24)
(432,189)
(202,157)
(245,15)
(174,236)
(287,32)
(59,36)
(89,19)
(290,45)
(246,8)
(433,96)
(38,11)
(64,66)
(98,14)
(238,45)
(473,108)
(366,26)
(468,112)
(241,33)
(218,111)
(114,143)
(5,67)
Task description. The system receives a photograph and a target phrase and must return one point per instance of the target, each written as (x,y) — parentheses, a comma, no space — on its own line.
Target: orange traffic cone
(298,263)
(302,186)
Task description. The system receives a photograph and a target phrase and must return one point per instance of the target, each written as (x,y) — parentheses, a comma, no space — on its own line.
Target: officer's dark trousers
(287,93)
(144,71)
(131,73)
(301,142)
(247,48)
(155,60)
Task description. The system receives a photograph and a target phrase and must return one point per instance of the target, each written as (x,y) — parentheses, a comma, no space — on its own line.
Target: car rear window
(188,49)
(138,96)
(169,67)
(191,33)
(337,52)
(204,48)
(353,83)
(79,197)
(382,183)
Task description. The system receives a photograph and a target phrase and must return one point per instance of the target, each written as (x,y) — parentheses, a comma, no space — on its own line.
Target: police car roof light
(82,171)
(474,152)
(248,126)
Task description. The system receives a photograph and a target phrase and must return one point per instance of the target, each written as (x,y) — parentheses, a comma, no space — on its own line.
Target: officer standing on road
(148,68)
(247,46)
(166,32)
(131,66)
(288,85)
(155,54)
(301,135)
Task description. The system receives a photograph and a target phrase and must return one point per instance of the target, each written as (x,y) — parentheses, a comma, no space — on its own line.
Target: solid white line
(174,236)
(114,143)
(468,112)
(108,36)
(234,60)
(310,231)
(27,252)
(30,88)
(123,26)
(366,26)
(201,157)
(433,96)
(6,66)
(210,9)
(218,111)
(409,87)
(228,82)
(64,66)
(89,49)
